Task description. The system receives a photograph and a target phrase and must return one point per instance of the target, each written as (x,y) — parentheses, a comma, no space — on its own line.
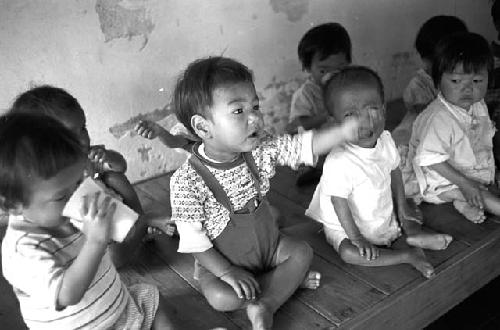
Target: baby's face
(49,196)
(361,101)
(320,67)
(464,89)
(235,120)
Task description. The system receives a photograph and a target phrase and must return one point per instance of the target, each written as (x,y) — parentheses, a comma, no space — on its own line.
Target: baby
(354,199)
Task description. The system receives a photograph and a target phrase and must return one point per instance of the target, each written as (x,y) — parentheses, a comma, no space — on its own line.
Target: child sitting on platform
(324,49)
(62,277)
(361,182)
(219,199)
(421,90)
(105,164)
(451,143)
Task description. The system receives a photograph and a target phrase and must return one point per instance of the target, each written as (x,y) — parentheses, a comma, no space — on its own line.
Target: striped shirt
(34,264)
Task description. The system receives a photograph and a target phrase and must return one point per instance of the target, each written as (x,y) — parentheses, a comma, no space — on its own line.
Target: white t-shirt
(445,132)
(363,177)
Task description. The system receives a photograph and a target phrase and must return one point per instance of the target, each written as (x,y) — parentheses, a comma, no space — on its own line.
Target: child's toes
(312,280)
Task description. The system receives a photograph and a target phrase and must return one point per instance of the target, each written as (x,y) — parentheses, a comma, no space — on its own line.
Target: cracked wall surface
(121,58)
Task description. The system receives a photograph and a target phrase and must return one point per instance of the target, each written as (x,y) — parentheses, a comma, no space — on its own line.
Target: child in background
(451,143)
(63,278)
(107,165)
(421,90)
(360,183)
(324,49)
(219,199)
(492,97)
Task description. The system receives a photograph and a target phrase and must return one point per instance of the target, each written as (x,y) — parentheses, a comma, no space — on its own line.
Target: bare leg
(162,320)
(293,258)
(413,256)
(470,212)
(418,237)
(220,295)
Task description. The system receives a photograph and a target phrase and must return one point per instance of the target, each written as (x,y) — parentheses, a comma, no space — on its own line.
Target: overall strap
(247,156)
(211,182)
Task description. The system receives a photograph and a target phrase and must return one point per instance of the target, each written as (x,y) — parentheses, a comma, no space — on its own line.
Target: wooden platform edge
(457,278)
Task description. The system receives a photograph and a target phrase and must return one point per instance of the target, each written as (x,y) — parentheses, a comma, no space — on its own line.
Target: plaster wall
(120,58)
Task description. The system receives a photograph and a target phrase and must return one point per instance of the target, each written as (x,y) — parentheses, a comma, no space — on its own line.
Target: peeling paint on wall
(120,130)
(293,9)
(124,19)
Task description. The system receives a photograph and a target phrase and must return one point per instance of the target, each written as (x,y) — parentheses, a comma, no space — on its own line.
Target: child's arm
(327,138)
(469,188)
(344,214)
(244,284)
(151,130)
(79,274)
(404,211)
(307,122)
(106,160)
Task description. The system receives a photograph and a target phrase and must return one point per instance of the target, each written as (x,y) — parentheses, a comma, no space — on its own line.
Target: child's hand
(472,193)
(244,284)
(349,129)
(366,249)
(97,220)
(159,223)
(97,155)
(148,129)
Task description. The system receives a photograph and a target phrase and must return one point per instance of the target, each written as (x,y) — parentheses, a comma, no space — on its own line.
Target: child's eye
(455,81)
(256,107)
(348,114)
(238,111)
(478,81)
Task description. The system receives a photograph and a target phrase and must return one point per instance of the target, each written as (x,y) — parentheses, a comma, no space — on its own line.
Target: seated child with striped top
(62,277)
(362,181)
(451,143)
(107,165)
(218,196)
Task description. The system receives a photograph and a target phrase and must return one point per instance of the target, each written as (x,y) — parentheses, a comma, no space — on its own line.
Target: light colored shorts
(335,237)
(143,300)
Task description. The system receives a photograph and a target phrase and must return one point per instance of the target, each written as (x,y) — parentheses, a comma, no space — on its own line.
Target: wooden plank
(292,315)
(340,296)
(185,306)
(416,306)
(445,219)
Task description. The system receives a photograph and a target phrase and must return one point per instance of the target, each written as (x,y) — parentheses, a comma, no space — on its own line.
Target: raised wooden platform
(350,297)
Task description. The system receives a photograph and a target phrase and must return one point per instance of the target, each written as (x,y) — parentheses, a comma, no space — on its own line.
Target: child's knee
(304,252)
(223,300)
(347,252)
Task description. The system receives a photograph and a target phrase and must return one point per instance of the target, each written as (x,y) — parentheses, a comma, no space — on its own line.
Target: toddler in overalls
(218,196)
(451,143)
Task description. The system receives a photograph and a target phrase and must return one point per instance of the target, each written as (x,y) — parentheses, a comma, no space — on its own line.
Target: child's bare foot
(470,212)
(312,280)
(419,261)
(260,316)
(429,241)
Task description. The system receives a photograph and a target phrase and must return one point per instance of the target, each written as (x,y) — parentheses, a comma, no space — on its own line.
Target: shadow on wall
(395,111)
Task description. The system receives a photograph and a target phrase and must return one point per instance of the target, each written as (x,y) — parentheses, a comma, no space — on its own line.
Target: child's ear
(201,126)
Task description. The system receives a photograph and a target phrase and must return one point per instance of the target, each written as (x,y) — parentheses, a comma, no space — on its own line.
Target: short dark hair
(193,92)
(352,75)
(434,30)
(48,100)
(469,49)
(32,146)
(325,39)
